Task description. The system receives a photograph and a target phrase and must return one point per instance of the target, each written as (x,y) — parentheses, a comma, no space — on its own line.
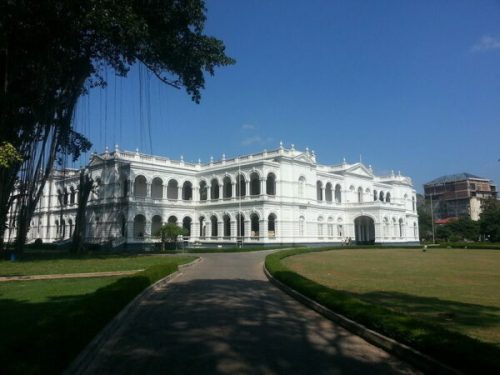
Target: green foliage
(461,229)
(43,335)
(424,223)
(9,155)
(53,51)
(457,350)
(490,220)
(169,233)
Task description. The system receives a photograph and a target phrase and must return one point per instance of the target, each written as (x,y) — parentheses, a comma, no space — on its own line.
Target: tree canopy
(490,220)
(53,51)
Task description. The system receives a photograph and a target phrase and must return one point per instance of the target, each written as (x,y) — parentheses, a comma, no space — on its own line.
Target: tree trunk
(86,185)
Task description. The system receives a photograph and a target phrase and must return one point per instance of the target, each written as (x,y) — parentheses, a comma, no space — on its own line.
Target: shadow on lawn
(43,337)
(444,312)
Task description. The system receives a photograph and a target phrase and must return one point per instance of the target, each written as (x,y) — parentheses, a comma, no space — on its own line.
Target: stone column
(263,186)
(221,190)
(179,192)
(233,189)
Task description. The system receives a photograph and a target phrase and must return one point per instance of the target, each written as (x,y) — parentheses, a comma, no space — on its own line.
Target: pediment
(305,158)
(360,170)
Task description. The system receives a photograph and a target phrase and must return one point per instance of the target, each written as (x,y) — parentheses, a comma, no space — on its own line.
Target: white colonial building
(274,197)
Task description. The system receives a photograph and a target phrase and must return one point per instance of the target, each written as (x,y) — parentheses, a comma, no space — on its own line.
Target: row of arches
(64,230)
(214,190)
(67,196)
(156,223)
(329,192)
(230,227)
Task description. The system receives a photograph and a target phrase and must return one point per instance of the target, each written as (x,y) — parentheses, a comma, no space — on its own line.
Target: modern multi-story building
(458,195)
(273,197)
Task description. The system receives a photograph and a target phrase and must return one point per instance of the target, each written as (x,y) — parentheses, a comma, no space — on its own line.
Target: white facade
(285,197)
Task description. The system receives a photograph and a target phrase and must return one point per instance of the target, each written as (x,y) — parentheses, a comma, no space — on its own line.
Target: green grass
(46,264)
(390,302)
(45,324)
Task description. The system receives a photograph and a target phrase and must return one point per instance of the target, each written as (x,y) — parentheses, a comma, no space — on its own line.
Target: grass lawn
(46,264)
(44,324)
(457,289)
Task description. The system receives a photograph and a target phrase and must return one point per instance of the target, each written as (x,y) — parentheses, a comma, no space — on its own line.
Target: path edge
(84,358)
(414,357)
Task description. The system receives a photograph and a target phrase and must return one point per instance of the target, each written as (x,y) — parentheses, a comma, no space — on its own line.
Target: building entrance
(364,227)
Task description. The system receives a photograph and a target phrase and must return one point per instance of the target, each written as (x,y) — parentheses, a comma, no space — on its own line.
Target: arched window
(227,226)
(240,225)
(173,189)
(360,195)
(271,184)
(203,191)
(340,228)
(381,196)
(301,226)
(214,189)
(271,226)
(172,220)
(254,226)
(227,189)
(330,227)
(328,192)
(401,228)
(213,224)
(187,191)
(63,228)
(139,226)
(140,189)
(413,203)
(388,197)
(157,188)
(203,227)
(319,190)
(320,227)
(254,184)
(72,196)
(375,195)
(186,225)
(241,186)
(338,194)
(155,225)
(302,184)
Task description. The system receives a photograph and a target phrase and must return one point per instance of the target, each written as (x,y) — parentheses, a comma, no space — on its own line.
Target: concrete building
(282,196)
(458,195)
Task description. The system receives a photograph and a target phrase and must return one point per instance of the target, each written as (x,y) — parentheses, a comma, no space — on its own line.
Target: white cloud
(256,140)
(486,43)
(248,127)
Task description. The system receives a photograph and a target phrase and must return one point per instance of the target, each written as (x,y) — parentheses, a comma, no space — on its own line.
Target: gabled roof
(454,178)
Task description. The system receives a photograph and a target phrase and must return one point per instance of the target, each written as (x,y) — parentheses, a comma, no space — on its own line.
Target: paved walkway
(67,275)
(222,316)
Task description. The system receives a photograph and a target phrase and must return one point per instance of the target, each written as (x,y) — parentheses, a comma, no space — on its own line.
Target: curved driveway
(222,316)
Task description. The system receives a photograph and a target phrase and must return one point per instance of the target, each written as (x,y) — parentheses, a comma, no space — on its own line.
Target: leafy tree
(169,233)
(490,220)
(53,51)
(464,228)
(424,223)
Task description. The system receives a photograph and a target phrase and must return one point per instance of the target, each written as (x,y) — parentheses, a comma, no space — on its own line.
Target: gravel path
(222,316)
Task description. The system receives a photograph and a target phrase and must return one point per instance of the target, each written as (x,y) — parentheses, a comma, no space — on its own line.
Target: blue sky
(408,85)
